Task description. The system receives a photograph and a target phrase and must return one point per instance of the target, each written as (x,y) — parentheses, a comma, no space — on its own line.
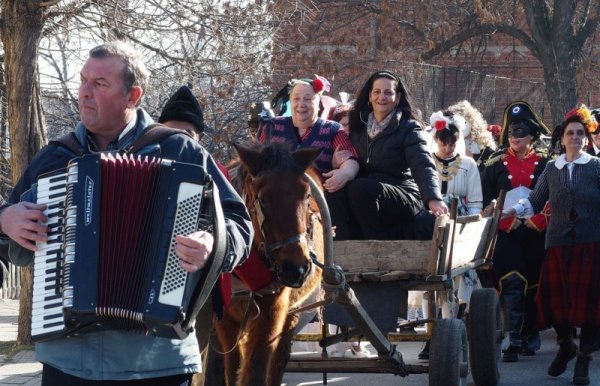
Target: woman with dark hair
(459,179)
(396,175)
(568,284)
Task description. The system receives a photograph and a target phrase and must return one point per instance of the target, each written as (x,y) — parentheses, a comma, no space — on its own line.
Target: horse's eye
(308,196)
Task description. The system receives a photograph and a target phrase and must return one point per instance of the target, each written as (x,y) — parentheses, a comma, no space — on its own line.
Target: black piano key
(54,324)
(53,297)
(53,316)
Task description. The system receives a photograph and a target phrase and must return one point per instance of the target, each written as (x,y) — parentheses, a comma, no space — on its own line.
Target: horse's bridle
(298,238)
(272,247)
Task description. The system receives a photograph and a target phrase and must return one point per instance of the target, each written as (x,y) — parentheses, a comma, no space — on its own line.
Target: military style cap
(520,117)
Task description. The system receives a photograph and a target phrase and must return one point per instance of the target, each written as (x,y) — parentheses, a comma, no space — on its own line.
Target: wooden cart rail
(456,247)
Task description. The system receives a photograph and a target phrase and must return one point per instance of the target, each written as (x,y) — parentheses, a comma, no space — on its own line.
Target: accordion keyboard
(47,311)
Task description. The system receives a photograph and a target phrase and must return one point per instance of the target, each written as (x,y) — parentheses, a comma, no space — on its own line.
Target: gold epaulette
(494,158)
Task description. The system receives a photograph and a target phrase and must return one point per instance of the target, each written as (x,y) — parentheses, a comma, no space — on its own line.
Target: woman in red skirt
(569,290)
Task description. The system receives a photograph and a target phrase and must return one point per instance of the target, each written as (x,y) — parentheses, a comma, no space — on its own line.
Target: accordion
(110,262)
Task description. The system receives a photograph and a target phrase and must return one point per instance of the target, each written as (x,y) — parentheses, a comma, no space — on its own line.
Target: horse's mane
(274,157)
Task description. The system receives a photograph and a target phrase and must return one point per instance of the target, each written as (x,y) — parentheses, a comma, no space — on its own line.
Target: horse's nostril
(292,275)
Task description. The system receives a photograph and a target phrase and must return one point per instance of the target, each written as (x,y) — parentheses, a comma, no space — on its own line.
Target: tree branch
(482,29)
(50,3)
(590,26)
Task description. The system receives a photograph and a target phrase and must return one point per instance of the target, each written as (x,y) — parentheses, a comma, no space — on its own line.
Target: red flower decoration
(495,130)
(440,125)
(317,85)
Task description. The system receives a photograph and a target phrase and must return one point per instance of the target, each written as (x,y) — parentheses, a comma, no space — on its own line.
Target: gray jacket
(123,355)
(576,208)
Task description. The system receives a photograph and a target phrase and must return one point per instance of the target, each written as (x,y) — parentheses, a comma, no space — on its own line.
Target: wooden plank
(377,260)
(438,240)
(470,241)
(382,256)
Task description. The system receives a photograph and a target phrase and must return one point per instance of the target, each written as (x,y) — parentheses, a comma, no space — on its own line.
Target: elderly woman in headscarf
(304,128)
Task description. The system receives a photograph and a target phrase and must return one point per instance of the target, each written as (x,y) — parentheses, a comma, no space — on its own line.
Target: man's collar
(129,126)
(134,128)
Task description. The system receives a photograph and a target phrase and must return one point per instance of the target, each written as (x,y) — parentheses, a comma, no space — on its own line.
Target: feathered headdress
(583,115)
(439,121)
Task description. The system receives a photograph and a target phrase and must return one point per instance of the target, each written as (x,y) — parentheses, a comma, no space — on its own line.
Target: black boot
(582,367)
(424,354)
(512,296)
(567,350)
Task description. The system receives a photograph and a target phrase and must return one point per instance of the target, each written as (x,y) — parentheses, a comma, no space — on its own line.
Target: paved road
(529,371)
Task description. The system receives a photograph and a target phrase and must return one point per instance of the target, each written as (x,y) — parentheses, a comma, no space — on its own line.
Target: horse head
(279,198)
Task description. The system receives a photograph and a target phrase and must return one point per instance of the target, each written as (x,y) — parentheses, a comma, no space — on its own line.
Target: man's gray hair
(135,72)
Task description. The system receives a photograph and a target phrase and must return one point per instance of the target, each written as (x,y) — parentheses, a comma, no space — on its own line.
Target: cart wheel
(448,356)
(484,327)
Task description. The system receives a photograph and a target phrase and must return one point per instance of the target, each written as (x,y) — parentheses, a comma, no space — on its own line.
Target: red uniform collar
(521,171)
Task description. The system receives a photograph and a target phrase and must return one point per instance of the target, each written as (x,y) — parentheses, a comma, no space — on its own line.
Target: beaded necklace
(447,168)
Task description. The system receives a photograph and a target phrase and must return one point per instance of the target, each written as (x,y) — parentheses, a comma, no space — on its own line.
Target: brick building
(345,42)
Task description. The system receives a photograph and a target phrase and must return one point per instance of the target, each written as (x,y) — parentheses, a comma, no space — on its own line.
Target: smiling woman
(306,129)
(397,173)
(568,284)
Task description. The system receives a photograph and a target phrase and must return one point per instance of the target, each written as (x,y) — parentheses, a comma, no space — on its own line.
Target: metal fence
(435,88)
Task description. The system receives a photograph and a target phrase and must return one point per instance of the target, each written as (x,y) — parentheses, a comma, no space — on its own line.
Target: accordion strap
(214,265)
(71,142)
(154,133)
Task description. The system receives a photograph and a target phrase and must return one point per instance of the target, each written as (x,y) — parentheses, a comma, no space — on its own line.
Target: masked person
(520,245)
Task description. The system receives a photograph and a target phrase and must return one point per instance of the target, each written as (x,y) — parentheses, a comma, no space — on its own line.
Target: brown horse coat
(256,331)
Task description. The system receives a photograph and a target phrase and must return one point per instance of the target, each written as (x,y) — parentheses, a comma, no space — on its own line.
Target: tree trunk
(23,21)
(560,76)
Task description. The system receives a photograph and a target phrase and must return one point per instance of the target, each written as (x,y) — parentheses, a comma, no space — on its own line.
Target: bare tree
(222,50)
(555,33)
(21,33)
(344,38)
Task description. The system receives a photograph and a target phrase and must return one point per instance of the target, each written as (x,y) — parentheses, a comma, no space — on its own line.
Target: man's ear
(135,96)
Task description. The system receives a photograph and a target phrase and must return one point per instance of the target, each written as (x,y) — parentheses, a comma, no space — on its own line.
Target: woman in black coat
(397,174)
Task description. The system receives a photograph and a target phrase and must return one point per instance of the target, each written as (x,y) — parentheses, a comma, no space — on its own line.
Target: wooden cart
(366,285)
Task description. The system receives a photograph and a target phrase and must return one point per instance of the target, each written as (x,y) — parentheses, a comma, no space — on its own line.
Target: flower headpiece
(584,115)
(319,84)
(495,130)
(440,121)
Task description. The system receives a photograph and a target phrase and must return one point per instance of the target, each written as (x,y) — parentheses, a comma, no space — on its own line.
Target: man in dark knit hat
(182,111)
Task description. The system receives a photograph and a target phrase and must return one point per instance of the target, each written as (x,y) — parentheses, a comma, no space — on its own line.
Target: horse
(255,333)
